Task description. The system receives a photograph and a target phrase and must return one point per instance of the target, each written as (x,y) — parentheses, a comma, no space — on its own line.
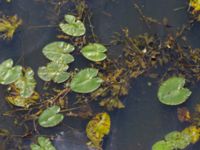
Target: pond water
(144,120)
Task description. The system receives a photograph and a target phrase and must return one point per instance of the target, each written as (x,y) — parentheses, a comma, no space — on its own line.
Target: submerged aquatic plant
(172,92)
(8,26)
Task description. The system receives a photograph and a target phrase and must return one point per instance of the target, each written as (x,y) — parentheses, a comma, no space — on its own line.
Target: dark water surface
(144,120)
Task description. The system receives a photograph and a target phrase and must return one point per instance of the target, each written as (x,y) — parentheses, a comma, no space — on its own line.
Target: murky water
(144,120)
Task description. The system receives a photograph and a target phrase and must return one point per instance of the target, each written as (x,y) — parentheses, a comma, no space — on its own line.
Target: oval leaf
(162,145)
(26,84)
(59,52)
(50,117)
(94,52)
(73,26)
(9,74)
(43,144)
(54,71)
(86,81)
(172,92)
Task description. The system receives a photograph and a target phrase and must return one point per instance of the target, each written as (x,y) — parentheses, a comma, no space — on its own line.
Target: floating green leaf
(43,144)
(54,71)
(94,52)
(59,52)
(162,145)
(172,92)
(50,117)
(178,140)
(73,26)
(26,84)
(8,73)
(86,81)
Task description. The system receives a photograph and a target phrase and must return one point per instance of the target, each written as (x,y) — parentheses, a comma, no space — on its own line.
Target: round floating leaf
(94,52)
(162,145)
(54,71)
(50,117)
(178,140)
(172,92)
(73,26)
(86,81)
(59,52)
(8,73)
(26,84)
(43,144)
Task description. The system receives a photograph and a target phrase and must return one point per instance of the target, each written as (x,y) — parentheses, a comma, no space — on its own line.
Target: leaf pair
(43,144)
(172,91)
(58,53)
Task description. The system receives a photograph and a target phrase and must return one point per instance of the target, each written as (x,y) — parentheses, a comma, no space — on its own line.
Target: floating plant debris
(97,128)
(8,26)
(172,92)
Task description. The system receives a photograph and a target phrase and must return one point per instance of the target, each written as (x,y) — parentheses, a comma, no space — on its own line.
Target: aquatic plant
(94,52)
(73,26)
(178,140)
(43,144)
(86,81)
(8,26)
(195,4)
(50,117)
(172,92)
(97,128)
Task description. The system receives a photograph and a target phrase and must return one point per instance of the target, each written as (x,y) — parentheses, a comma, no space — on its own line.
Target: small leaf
(97,128)
(26,84)
(94,52)
(172,92)
(54,71)
(162,145)
(19,101)
(86,81)
(50,117)
(59,52)
(43,144)
(8,73)
(73,26)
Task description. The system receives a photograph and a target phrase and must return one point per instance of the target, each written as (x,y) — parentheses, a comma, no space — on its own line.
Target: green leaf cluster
(58,53)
